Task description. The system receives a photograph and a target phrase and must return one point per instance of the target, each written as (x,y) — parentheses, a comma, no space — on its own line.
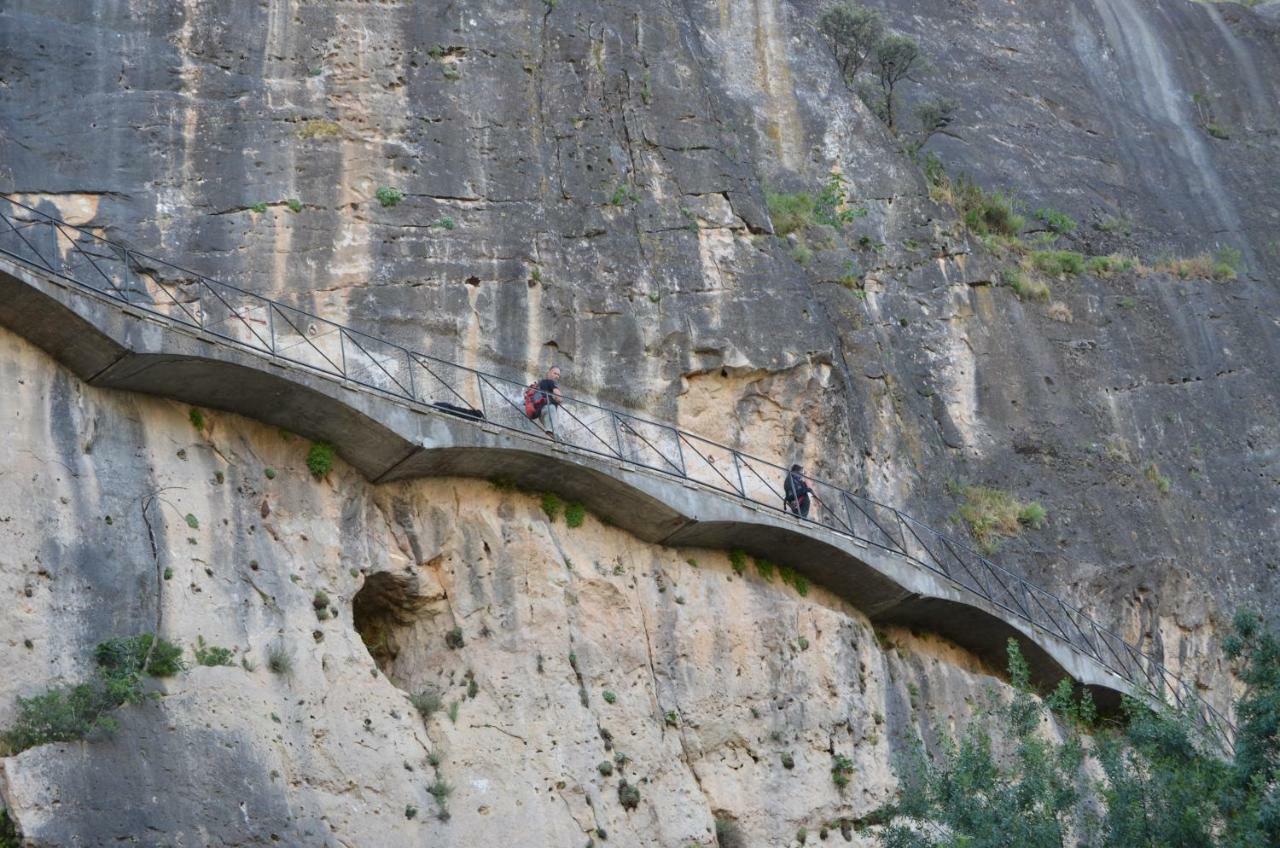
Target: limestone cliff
(586,183)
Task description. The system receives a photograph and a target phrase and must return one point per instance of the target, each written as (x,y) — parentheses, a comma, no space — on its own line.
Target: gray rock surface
(604,169)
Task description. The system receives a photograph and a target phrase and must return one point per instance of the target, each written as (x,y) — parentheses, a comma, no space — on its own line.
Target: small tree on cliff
(852,34)
(858,40)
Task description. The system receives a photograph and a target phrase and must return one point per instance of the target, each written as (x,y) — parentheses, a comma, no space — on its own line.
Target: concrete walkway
(114,344)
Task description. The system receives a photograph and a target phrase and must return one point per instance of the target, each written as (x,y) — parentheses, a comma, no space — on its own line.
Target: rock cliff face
(586,184)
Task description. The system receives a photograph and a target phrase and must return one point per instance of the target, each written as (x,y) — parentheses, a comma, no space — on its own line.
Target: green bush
(628,795)
(738,562)
(197,418)
(841,768)
(575,514)
(790,213)
(1024,288)
(1107,266)
(605,768)
(765,569)
(212,655)
(68,712)
(259,208)
(294,204)
(320,459)
(1059,222)
(991,514)
(609,697)
(552,506)
(986,214)
(1058,263)
(123,657)
(454,639)
(389,196)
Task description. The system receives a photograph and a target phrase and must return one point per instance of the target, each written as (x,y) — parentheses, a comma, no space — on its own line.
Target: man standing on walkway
(540,397)
(796,492)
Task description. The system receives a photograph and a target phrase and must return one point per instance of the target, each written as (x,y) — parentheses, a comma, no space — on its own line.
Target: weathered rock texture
(716,678)
(585,183)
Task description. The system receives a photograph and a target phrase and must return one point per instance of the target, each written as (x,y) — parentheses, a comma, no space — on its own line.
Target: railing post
(271,327)
(617,434)
(408,360)
(684,470)
(737,467)
(480,391)
(342,349)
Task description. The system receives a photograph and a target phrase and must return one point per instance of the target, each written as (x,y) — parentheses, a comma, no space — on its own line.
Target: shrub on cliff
(65,713)
(320,459)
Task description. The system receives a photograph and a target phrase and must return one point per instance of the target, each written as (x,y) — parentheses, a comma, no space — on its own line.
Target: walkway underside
(110,344)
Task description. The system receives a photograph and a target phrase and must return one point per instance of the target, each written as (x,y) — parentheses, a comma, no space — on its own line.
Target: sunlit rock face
(586,184)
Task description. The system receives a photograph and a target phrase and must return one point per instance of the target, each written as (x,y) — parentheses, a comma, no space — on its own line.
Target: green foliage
(279,660)
(294,204)
(991,514)
(575,514)
(453,711)
(552,505)
(389,196)
(1161,482)
(193,522)
(832,207)
(794,579)
(852,33)
(622,195)
(983,213)
(628,795)
(410,811)
(1108,266)
(765,569)
(609,697)
(1217,130)
(212,655)
(1161,788)
(1024,287)
(123,657)
(841,769)
(738,562)
(605,768)
(503,484)
(427,702)
(802,254)
(320,459)
(453,639)
(894,59)
(197,418)
(790,213)
(1058,263)
(1059,222)
(260,208)
(269,473)
(68,712)
(444,223)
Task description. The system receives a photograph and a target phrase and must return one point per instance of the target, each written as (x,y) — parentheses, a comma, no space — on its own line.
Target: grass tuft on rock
(991,514)
(320,459)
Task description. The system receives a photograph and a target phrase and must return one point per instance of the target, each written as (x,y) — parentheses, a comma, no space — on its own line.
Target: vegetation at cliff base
(1151,782)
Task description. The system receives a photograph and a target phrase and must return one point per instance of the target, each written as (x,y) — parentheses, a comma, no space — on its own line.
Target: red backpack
(533,401)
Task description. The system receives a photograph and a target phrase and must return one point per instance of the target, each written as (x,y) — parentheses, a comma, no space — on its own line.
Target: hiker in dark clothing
(797,492)
(541,396)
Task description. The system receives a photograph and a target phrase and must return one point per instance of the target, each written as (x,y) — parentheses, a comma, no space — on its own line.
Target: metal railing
(272,329)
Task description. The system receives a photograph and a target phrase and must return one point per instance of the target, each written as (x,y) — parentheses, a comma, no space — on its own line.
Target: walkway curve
(122,319)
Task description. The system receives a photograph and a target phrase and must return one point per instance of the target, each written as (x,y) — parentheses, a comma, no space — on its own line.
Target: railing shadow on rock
(179,295)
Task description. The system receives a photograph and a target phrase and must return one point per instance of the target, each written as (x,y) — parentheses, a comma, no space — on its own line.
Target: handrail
(267,327)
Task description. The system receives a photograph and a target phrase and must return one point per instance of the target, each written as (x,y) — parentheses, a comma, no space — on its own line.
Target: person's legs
(804,507)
